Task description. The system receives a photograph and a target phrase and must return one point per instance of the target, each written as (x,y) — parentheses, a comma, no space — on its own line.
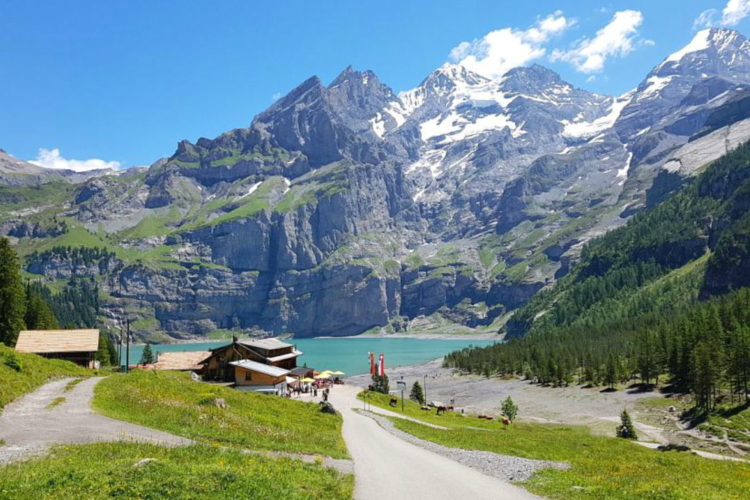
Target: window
(248,375)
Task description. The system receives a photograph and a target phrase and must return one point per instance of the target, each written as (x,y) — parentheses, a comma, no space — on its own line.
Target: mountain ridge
(447,206)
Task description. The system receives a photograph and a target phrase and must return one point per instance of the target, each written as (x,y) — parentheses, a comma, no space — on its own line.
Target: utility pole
(424,383)
(119,350)
(127,351)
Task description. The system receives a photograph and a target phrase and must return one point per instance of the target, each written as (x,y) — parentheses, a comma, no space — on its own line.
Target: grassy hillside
(601,467)
(110,470)
(173,402)
(21,373)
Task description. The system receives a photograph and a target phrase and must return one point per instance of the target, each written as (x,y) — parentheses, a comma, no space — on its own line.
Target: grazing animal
(441,409)
(393,402)
(506,421)
(425,408)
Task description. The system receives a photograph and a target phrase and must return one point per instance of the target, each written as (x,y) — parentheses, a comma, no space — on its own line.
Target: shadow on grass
(641,388)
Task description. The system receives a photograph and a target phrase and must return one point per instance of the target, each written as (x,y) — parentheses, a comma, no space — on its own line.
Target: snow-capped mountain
(346,207)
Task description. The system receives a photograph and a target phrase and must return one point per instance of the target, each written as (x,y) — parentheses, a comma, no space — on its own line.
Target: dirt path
(388,467)
(28,426)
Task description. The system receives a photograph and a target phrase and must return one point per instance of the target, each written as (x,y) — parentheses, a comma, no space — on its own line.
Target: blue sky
(124,81)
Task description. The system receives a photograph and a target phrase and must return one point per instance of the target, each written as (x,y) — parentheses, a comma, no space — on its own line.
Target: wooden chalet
(270,352)
(78,346)
(252,375)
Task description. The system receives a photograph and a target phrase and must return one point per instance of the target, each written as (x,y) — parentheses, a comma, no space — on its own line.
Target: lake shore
(418,336)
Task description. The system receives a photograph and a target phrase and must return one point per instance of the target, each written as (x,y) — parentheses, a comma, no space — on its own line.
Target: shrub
(510,409)
(12,361)
(417,394)
(626,429)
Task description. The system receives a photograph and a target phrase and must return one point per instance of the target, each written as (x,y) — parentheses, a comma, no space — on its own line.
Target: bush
(417,394)
(12,361)
(626,429)
(510,409)
(380,384)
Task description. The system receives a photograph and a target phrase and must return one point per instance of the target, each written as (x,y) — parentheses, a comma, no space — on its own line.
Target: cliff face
(346,207)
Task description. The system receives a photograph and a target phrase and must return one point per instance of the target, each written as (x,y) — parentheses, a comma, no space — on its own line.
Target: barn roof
(268,344)
(189,360)
(49,341)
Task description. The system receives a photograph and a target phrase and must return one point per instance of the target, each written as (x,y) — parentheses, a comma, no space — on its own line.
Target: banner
(381,365)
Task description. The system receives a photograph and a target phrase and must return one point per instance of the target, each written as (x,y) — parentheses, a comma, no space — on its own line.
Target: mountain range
(346,208)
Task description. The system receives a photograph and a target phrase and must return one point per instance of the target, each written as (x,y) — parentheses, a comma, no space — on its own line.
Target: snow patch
(654,85)
(378,125)
(700,41)
(582,130)
(251,190)
(623,172)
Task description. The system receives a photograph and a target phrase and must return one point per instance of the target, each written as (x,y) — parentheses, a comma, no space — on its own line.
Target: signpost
(401,385)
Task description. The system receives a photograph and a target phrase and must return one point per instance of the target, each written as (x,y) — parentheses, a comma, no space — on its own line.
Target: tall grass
(120,470)
(173,402)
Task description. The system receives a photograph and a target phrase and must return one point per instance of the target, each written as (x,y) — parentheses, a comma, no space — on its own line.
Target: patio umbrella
(307,380)
(322,376)
(337,372)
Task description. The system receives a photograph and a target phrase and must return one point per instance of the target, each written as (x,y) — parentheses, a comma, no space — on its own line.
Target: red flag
(382,365)
(372,362)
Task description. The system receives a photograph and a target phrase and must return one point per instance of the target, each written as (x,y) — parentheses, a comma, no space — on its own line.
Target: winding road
(388,467)
(29,426)
(385,466)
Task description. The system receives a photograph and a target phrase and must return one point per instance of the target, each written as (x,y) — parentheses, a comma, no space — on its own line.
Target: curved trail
(388,467)
(28,427)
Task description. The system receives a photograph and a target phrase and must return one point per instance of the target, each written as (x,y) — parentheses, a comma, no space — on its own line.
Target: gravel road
(387,466)
(28,427)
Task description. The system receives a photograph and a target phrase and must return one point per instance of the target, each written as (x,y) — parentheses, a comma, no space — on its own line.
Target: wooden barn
(78,346)
(270,352)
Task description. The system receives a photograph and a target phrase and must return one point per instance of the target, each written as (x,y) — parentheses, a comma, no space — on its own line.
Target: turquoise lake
(346,354)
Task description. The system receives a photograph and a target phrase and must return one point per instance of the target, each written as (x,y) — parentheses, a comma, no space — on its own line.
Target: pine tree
(12,298)
(39,315)
(626,429)
(147,358)
(510,409)
(417,394)
(381,384)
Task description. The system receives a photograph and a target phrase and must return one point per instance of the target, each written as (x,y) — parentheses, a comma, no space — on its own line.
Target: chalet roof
(294,354)
(49,341)
(301,371)
(180,360)
(268,344)
(254,366)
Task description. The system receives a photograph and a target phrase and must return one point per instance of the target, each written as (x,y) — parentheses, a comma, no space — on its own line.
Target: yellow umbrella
(322,375)
(326,372)
(307,380)
(337,372)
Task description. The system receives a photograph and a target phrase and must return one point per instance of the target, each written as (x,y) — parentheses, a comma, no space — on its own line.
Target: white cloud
(52,159)
(276,96)
(617,39)
(734,12)
(500,50)
(731,15)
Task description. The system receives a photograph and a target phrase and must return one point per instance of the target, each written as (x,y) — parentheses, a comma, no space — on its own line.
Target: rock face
(345,207)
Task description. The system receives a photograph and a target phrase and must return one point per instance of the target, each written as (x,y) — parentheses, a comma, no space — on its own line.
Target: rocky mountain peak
(532,79)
